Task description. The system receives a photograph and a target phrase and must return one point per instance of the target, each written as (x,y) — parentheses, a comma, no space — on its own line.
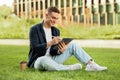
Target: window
(80,10)
(41,5)
(36,5)
(62,12)
(19,7)
(80,2)
(73,11)
(62,3)
(51,2)
(23,7)
(32,4)
(74,4)
(68,3)
(46,5)
(56,3)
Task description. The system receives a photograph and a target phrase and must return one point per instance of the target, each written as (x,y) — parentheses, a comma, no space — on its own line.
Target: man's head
(52,16)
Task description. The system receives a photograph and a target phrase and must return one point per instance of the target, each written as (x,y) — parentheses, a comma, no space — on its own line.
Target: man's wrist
(51,43)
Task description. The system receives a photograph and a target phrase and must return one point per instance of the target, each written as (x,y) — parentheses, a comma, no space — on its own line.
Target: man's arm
(37,43)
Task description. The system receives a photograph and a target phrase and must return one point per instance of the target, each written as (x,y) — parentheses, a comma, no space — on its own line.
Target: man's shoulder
(36,26)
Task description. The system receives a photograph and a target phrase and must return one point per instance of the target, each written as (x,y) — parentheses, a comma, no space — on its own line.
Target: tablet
(67,40)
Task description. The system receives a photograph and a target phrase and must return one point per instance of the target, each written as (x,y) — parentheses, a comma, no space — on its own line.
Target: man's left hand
(61,46)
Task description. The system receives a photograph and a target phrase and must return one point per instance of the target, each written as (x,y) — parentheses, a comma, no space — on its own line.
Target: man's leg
(81,55)
(47,63)
(73,49)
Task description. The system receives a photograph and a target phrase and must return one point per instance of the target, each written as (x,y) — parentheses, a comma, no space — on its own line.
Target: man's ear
(46,14)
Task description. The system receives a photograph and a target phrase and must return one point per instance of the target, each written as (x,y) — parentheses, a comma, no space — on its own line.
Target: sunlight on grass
(10,57)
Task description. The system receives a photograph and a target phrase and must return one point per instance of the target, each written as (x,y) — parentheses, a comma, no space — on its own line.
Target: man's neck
(46,25)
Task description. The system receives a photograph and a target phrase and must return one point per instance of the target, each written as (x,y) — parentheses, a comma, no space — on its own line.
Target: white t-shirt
(48,34)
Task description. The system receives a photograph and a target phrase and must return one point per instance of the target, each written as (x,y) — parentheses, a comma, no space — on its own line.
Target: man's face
(52,18)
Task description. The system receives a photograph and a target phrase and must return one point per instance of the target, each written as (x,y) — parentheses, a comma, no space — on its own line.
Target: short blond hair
(53,9)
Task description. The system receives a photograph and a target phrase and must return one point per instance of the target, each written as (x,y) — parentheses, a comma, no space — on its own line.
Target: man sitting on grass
(47,52)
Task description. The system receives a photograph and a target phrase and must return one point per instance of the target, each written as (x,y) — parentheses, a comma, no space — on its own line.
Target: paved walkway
(82,43)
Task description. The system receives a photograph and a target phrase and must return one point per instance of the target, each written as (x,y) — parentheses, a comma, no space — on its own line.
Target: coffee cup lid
(23,62)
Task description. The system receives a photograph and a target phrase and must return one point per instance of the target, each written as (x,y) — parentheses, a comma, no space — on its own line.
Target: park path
(82,43)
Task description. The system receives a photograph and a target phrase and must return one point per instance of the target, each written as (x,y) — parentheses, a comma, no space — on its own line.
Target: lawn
(19,29)
(10,57)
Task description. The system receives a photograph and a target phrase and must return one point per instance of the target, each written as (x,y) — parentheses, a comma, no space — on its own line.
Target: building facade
(87,12)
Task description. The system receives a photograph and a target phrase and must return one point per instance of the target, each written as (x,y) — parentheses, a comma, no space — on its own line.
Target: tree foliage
(5,11)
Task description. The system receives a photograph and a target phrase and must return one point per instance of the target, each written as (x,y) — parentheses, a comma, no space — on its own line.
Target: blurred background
(87,19)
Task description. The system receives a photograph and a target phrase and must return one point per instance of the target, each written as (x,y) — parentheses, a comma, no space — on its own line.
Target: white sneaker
(94,67)
(75,66)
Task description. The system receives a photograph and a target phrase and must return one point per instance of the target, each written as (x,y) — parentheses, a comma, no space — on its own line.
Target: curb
(82,43)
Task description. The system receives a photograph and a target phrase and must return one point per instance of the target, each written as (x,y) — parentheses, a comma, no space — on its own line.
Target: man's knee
(41,61)
(45,59)
(74,44)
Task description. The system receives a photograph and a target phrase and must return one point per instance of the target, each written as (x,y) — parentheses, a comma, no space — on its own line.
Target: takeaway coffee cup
(23,65)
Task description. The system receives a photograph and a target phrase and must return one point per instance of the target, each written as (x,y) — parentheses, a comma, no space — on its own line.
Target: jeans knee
(44,60)
(41,61)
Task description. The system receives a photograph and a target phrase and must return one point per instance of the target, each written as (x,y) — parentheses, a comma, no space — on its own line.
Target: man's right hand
(56,40)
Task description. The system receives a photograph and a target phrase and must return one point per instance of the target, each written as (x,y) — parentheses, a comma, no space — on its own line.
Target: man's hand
(61,46)
(55,40)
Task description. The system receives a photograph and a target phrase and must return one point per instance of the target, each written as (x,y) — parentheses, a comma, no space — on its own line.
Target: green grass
(10,57)
(16,28)
(80,32)
(19,29)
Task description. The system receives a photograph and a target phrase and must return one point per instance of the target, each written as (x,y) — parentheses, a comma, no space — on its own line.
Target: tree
(5,11)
